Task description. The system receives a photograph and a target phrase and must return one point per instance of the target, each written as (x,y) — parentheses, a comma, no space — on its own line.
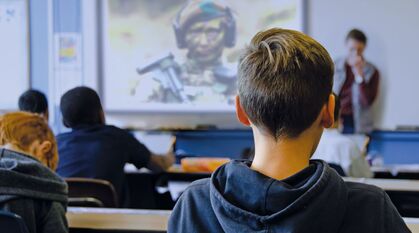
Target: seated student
(339,149)
(96,150)
(28,185)
(34,101)
(285,96)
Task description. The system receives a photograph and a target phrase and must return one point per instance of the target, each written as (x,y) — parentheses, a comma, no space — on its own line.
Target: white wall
(392,28)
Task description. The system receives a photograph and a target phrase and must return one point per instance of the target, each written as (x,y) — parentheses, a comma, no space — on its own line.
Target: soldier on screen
(204,28)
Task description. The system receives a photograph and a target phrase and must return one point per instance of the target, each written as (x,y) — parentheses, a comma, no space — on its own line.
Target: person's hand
(170,159)
(170,155)
(357,64)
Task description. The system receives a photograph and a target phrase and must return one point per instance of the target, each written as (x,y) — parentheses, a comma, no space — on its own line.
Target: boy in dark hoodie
(285,95)
(28,185)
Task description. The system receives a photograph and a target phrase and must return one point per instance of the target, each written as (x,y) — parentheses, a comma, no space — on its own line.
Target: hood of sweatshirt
(313,200)
(24,176)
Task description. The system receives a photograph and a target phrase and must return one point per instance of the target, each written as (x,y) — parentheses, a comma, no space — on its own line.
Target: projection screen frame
(102,76)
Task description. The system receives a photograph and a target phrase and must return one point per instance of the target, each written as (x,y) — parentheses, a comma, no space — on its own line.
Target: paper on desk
(159,143)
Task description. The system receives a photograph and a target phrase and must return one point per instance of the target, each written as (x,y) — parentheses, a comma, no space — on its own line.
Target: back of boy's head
(285,78)
(81,106)
(33,101)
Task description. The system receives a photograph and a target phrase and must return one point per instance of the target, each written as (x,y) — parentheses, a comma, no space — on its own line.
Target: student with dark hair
(35,102)
(356,81)
(341,150)
(285,95)
(96,150)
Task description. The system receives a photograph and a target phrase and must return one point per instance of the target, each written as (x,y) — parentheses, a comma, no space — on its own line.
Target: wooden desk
(397,168)
(389,184)
(403,171)
(413,224)
(104,219)
(118,219)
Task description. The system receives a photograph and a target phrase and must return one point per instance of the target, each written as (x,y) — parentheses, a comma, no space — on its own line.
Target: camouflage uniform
(202,77)
(208,77)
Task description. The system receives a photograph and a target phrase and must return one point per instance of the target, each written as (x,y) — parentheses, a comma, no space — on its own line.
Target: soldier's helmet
(200,11)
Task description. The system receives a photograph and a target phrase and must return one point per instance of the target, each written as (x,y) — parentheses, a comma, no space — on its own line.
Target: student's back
(33,192)
(285,96)
(99,151)
(28,185)
(96,150)
(238,199)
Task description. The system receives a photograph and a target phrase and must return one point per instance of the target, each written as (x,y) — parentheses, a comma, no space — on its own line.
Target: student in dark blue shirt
(96,150)
(285,95)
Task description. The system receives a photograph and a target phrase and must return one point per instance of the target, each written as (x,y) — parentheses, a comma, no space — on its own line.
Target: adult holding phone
(356,81)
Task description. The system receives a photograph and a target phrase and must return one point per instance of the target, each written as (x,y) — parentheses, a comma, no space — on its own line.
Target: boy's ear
(45,147)
(241,115)
(328,115)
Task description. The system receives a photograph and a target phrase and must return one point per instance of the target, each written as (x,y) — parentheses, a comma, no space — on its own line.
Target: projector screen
(179,55)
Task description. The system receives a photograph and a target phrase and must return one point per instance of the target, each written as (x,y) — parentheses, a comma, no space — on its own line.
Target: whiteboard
(14,63)
(392,30)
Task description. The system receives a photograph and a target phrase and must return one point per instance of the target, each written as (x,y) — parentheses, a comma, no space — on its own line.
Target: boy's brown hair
(285,78)
(21,129)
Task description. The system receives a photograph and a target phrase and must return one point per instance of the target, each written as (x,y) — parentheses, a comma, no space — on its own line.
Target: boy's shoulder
(197,193)
(365,189)
(360,195)
(371,206)
(198,188)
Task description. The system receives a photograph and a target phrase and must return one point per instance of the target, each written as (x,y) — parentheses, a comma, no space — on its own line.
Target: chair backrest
(87,192)
(12,223)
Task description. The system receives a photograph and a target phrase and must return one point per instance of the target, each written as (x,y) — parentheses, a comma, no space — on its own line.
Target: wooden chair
(85,192)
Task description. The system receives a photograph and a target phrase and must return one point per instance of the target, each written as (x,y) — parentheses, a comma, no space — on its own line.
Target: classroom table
(397,171)
(413,224)
(389,184)
(133,221)
(116,220)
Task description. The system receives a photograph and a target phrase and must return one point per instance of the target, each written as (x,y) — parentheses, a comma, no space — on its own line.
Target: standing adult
(356,81)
